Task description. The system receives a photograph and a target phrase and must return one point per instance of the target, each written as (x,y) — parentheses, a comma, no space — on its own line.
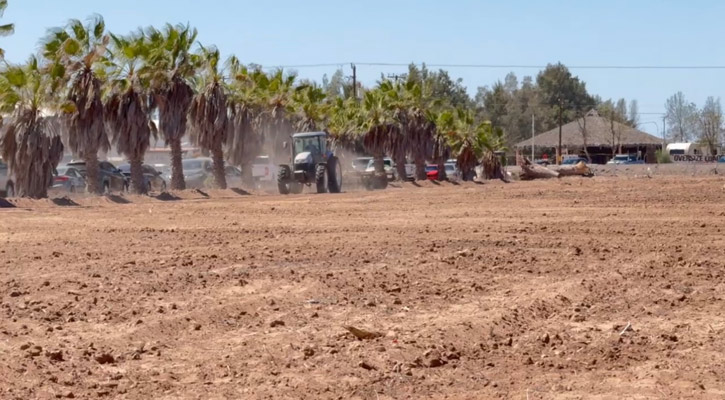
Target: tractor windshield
(312,144)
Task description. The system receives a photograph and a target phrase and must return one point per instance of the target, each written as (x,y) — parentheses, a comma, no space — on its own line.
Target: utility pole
(533,129)
(664,130)
(558,155)
(354,81)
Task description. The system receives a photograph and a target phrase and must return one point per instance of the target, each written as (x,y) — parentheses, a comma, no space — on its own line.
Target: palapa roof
(599,134)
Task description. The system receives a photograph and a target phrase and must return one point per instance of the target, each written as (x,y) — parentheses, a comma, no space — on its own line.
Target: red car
(431,171)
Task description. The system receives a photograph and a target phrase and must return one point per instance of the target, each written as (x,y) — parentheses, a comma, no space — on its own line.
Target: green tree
(450,93)
(209,113)
(711,124)
(559,88)
(171,67)
(493,104)
(77,52)
(127,106)
(681,117)
(32,145)
(5,29)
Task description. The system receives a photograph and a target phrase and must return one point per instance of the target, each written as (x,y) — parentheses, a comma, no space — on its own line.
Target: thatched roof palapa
(599,134)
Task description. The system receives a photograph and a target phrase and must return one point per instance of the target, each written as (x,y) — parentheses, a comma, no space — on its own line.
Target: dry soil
(609,287)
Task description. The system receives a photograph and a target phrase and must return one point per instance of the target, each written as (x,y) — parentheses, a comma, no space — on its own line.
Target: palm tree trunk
(247,176)
(93,181)
(379,165)
(442,176)
(177,168)
(218,159)
(420,173)
(400,169)
(139,186)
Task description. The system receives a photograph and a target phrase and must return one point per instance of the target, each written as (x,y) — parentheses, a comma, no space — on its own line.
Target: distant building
(604,138)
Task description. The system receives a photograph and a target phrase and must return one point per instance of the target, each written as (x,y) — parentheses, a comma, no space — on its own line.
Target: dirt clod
(105,358)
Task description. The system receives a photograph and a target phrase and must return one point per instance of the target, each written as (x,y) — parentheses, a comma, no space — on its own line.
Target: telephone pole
(533,130)
(664,130)
(558,155)
(354,81)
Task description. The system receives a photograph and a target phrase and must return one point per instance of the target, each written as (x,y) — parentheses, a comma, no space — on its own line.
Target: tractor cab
(312,162)
(309,149)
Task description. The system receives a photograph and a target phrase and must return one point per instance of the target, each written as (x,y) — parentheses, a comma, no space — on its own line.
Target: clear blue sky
(284,32)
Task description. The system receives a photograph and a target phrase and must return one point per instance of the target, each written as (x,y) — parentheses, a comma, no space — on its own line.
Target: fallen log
(580,169)
(531,171)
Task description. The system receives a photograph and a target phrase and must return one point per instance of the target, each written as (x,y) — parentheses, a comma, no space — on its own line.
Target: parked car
(721,159)
(199,173)
(574,161)
(196,172)
(233,175)
(360,164)
(264,171)
(68,179)
(452,171)
(625,159)
(110,178)
(153,179)
(431,171)
(387,165)
(6,182)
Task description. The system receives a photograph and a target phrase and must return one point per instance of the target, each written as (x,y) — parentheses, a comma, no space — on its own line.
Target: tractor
(312,163)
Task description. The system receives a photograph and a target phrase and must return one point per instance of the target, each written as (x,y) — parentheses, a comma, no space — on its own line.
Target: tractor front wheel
(283,179)
(321,178)
(334,175)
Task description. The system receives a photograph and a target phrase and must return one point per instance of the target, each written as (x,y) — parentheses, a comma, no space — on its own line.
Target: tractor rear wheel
(283,179)
(334,175)
(321,178)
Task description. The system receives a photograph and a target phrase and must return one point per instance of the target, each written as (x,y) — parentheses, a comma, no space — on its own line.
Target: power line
(508,66)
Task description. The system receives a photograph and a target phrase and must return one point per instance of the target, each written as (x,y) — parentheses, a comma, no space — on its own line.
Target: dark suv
(110,178)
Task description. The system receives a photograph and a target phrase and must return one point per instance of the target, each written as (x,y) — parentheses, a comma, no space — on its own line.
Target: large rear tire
(283,179)
(334,175)
(321,178)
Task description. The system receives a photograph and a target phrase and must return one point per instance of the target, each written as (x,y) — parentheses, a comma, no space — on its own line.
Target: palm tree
(418,126)
(32,143)
(445,129)
(491,140)
(127,107)
(344,125)
(465,143)
(381,132)
(310,107)
(245,141)
(275,121)
(209,113)
(171,67)
(75,52)
(7,29)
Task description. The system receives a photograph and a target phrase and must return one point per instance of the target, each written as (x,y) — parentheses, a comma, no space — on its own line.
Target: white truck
(264,171)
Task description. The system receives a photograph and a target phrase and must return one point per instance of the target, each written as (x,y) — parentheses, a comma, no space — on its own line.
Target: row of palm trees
(90,89)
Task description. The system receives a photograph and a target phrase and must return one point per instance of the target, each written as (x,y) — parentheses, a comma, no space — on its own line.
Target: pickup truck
(264,171)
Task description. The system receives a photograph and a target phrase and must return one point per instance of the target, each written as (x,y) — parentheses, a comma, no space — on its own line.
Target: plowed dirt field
(609,287)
